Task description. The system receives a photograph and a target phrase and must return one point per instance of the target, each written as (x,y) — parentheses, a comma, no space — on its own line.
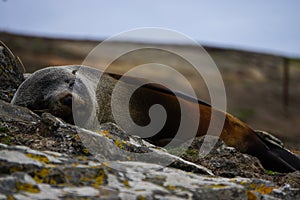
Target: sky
(266,26)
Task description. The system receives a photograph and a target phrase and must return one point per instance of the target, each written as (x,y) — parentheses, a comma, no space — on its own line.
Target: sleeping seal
(52,89)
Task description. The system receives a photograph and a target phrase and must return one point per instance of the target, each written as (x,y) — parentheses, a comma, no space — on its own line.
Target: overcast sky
(268,25)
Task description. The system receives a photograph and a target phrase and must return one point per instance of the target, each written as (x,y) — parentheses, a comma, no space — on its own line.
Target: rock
(111,143)
(292,179)
(78,177)
(10,76)
(17,114)
(15,122)
(75,163)
(225,161)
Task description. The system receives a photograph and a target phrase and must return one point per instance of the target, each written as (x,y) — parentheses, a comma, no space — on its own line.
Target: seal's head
(54,90)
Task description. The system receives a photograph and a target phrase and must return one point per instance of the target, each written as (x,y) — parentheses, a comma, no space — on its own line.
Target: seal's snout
(67,100)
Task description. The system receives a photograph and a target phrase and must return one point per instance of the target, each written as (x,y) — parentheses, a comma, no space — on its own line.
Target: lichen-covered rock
(70,162)
(10,76)
(49,175)
(110,143)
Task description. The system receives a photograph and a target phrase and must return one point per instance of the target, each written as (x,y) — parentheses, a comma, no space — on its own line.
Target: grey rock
(16,120)
(16,157)
(117,145)
(8,185)
(16,114)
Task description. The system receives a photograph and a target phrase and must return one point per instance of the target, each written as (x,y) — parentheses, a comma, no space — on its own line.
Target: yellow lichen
(40,158)
(10,197)
(51,166)
(99,179)
(243,182)
(52,182)
(140,197)
(83,158)
(27,187)
(126,183)
(41,175)
(77,137)
(118,143)
(85,150)
(104,164)
(251,195)
(264,190)
(15,169)
(105,133)
(171,187)
(85,179)
(261,188)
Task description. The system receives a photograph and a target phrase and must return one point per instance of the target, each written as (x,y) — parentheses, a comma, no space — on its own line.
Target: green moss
(5,140)
(4,129)
(271,173)
(175,150)
(193,153)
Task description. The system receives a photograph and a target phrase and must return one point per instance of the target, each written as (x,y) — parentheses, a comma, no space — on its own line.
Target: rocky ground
(44,158)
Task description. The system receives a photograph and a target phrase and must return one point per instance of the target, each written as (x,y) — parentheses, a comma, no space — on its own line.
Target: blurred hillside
(253,81)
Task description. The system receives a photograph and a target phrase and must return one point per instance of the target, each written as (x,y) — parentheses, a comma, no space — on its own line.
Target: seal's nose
(67,100)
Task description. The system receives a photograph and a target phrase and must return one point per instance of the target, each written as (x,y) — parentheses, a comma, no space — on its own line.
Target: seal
(55,89)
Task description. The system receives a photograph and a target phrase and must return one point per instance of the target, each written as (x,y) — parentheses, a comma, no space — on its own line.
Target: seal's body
(52,90)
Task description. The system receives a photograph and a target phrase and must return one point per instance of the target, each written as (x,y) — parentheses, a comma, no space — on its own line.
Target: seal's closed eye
(67,100)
